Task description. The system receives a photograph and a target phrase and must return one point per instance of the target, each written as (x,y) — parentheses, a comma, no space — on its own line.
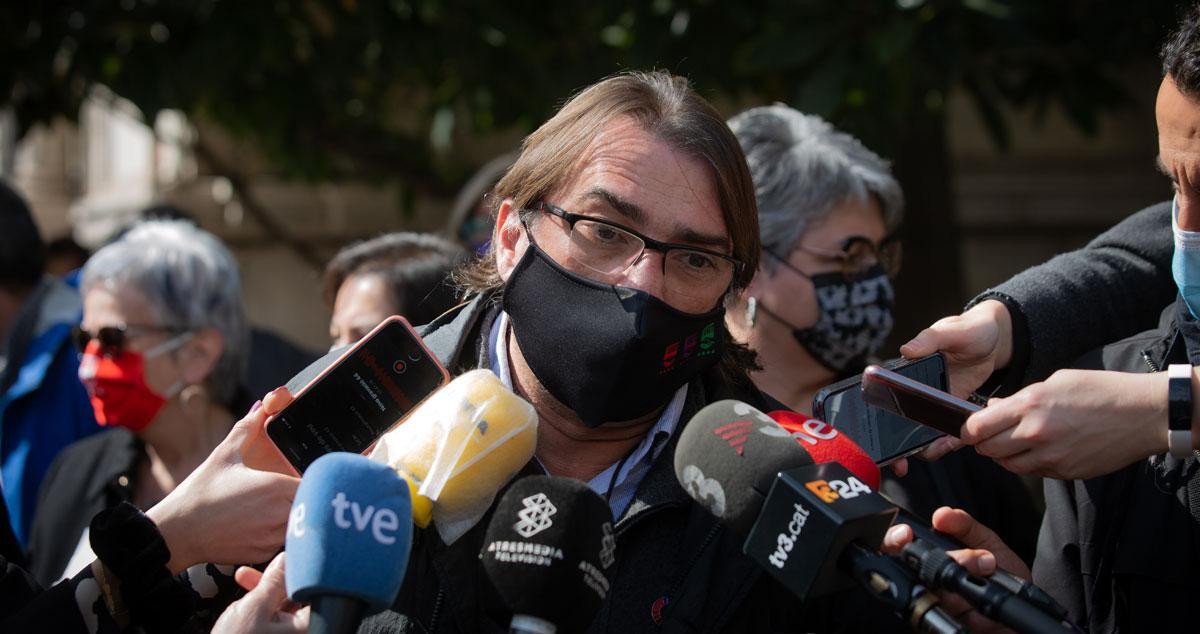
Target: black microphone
(548,551)
(1022,588)
(814,528)
(824,443)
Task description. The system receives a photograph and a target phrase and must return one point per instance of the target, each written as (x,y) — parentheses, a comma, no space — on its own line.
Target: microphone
(348,540)
(548,551)
(825,444)
(458,448)
(813,527)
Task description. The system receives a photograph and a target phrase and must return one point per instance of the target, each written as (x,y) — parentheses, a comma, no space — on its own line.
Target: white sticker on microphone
(707,491)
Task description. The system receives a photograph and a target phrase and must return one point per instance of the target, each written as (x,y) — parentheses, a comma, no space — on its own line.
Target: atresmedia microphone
(348,540)
(813,527)
(548,551)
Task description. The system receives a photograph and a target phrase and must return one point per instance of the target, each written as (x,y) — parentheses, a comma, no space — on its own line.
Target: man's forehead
(628,170)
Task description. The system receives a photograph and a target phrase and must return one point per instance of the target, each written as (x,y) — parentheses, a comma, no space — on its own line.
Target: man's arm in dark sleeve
(1114,287)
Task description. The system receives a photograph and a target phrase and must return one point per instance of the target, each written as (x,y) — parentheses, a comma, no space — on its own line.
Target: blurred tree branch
(241,189)
(396,91)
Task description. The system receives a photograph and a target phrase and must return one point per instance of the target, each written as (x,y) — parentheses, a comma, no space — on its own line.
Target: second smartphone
(884,435)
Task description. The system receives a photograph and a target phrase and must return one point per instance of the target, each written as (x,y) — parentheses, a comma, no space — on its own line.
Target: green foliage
(390,90)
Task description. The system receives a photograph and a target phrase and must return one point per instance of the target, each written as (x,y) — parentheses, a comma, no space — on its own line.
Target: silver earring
(751,310)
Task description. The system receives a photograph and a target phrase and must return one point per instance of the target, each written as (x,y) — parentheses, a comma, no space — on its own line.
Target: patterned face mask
(855,318)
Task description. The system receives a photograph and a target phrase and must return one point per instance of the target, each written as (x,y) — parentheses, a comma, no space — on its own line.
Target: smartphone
(883,434)
(915,401)
(367,390)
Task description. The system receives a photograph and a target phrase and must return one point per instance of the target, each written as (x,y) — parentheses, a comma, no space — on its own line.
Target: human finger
(246,577)
(999,415)
(939,448)
(896,538)
(276,400)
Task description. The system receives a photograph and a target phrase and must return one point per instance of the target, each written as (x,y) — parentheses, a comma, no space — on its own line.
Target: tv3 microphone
(548,551)
(825,444)
(458,448)
(813,527)
(349,536)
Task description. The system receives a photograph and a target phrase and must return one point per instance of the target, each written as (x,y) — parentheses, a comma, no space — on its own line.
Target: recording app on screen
(358,398)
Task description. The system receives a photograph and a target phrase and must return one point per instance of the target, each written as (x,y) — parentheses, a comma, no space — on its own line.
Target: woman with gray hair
(163,343)
(820,304)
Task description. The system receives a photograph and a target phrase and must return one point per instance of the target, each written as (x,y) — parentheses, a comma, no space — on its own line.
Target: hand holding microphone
(848,509)
(348,540)
(814,528)
(265,609)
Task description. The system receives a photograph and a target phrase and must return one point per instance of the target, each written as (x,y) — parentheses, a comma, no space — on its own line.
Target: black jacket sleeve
(1110,289)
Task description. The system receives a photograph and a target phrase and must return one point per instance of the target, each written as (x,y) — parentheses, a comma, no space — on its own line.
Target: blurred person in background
(64,255)
(394,274)
(820,305)
(272,358)
(43,406)
(161,571)
(163,342)
(471,214)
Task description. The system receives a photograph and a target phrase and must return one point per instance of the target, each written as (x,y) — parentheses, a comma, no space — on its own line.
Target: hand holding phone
(367,390)
(885,436)
(915,401)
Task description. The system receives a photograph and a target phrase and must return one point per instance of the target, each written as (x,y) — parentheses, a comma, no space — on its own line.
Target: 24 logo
(830,491)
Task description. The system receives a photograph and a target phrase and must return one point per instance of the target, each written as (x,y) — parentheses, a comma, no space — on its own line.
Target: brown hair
(666,107)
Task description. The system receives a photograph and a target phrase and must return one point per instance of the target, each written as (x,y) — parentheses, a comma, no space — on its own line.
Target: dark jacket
(91,475)
(677,570)
(1112,288)
(1122,551)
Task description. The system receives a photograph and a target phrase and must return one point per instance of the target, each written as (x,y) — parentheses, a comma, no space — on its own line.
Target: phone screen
(355,401)
(885,436)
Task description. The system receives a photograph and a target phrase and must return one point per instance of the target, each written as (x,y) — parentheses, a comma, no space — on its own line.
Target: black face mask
(610,353)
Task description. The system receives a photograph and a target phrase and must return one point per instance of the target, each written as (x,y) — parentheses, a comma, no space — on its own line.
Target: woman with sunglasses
(163,345)
(820,306)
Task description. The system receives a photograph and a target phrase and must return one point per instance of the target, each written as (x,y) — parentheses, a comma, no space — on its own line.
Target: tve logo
(382,522)
(811,431)
(832,490)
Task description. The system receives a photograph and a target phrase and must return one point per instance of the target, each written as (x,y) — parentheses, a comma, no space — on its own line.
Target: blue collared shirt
(636,465)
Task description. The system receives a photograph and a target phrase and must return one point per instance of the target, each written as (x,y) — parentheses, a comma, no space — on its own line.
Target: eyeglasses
(608,248)
(858,255)
(113,339)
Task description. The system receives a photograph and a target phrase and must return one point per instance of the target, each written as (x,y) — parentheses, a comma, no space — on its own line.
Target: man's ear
(509,240)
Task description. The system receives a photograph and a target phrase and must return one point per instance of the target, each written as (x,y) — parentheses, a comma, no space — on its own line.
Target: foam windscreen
(460,446)
(350,532)
(549,549)
(728,457)
(826,444)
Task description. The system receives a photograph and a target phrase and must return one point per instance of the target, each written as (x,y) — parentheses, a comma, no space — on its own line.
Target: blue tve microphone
(348,540)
